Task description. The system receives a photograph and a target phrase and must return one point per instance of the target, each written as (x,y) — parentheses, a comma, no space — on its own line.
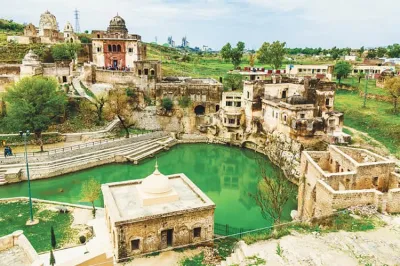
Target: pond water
(226,174)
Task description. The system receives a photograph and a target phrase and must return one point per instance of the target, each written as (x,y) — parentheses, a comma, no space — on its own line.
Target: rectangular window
(130,50)
(197,232)
(327,102)
(229,104)
(238,104)
(231,121)
(248,95)
(229,97)
(139,72)
(146,71)
(302,115)
(98,49)
(135,244)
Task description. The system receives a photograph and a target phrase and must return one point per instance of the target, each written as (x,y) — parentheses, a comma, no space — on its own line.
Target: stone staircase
(3,180)
(239,255)
(139,150)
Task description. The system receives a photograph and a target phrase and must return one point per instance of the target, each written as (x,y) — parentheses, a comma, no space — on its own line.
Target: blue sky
(301,23)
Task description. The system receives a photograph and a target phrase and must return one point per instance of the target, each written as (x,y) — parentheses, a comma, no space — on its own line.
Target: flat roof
(124,204)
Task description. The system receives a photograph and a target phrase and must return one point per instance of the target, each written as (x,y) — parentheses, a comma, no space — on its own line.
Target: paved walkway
(100,242)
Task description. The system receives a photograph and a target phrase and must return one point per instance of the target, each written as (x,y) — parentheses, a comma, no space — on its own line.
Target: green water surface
(226,174)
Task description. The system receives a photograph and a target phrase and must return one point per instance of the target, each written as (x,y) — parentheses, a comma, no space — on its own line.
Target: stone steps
(238,257)
(3,180)
(86,160)
(150,153)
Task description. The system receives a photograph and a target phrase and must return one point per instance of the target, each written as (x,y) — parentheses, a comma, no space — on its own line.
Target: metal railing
(78,146)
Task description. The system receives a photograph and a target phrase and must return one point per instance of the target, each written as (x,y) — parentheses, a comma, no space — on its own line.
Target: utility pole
(365,91)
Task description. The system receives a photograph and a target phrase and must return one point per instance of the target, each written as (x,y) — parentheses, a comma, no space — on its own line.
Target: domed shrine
(155,213)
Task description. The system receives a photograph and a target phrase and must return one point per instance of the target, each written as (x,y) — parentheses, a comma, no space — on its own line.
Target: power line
(77,27)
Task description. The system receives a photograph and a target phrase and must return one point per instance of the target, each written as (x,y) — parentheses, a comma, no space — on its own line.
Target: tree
(342,69)
(226,52)
(99,103)
(90,192)
(167,104)
(392,85)
(272,54)
(381,52)
(252,59)
(360,76)
(273,192)
(394,50)
(65,51)
(53,238)
(52,261)
(371,54)
(118,105)
(233,54)
(361,51)
(34,103)
(233,81)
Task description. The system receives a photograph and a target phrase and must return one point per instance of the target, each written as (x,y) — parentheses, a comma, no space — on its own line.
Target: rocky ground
(377,247)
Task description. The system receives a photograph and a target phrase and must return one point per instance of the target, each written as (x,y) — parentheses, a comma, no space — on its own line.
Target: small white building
(350,58)
(310,70)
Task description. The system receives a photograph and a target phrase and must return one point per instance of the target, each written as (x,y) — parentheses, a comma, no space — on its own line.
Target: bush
(167,104)
(185,102)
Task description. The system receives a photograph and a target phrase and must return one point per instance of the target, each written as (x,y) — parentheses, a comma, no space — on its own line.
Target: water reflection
(226,174)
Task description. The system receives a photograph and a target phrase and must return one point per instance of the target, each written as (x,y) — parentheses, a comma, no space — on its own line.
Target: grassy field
(376,119)
(14,216)
(371,87)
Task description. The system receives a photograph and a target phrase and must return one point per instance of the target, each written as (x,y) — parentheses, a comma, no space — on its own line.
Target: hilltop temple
(47,32)
(156,213)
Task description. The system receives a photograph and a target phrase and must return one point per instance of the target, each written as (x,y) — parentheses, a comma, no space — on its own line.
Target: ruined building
(342,177)
(156,213)
(47,32)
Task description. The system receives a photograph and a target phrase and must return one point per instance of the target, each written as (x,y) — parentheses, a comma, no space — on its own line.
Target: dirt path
(377,247)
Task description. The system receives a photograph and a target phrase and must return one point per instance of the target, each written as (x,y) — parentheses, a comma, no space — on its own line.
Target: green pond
(226,174)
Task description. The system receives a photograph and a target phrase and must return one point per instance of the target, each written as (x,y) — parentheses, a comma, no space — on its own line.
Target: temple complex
(156,213)
(47,32)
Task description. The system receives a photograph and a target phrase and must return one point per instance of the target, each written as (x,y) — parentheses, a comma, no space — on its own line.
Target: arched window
(98,35)
(114,48)
(119,48)
(152,72)
(109,48)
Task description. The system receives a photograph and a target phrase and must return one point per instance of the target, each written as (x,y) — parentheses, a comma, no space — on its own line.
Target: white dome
(156,183)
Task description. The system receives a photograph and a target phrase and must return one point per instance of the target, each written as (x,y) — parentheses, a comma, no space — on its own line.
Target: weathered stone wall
(393,201)
(148,232)
(124,78)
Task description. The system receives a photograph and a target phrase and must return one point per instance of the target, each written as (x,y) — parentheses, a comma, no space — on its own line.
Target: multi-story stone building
(116,48)
(342,177)
(156,213)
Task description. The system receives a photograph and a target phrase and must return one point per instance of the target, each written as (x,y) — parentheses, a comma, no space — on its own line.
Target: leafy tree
(237,54)
(361,51)
(90,192)
(371,54)
(119,106)
(360,76)
(226,52)
(347,50)
(394,50)
(272,54)
(393,87)
(53,238)
(65,51)
(11,25)
(99,103)
(233,81)
(342,69)
(233,54)
(167,104)
(34,103)
(52,261)
(381,52)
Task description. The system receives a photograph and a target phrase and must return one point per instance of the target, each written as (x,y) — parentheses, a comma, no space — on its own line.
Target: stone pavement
(100,242)
(14,256)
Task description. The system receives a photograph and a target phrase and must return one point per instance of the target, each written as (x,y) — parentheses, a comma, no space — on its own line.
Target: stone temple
(156,213)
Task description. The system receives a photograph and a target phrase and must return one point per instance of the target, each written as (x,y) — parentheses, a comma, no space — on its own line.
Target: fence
(227,230)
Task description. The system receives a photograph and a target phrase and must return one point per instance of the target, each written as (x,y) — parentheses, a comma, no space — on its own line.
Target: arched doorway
(199,110)
(217,108)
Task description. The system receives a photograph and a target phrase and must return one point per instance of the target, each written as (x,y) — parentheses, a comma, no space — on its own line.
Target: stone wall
(124,79)
(149,232)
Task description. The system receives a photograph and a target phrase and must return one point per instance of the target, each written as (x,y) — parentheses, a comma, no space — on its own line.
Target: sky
(300,23)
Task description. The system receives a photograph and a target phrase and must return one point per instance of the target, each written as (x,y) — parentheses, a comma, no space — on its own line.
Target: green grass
(343,221)
(193,261)
(14,216)
(371,87)
(376,119)
(87,91)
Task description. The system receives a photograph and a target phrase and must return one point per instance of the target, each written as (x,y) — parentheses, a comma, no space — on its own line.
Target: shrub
(167,104)
(185,102)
